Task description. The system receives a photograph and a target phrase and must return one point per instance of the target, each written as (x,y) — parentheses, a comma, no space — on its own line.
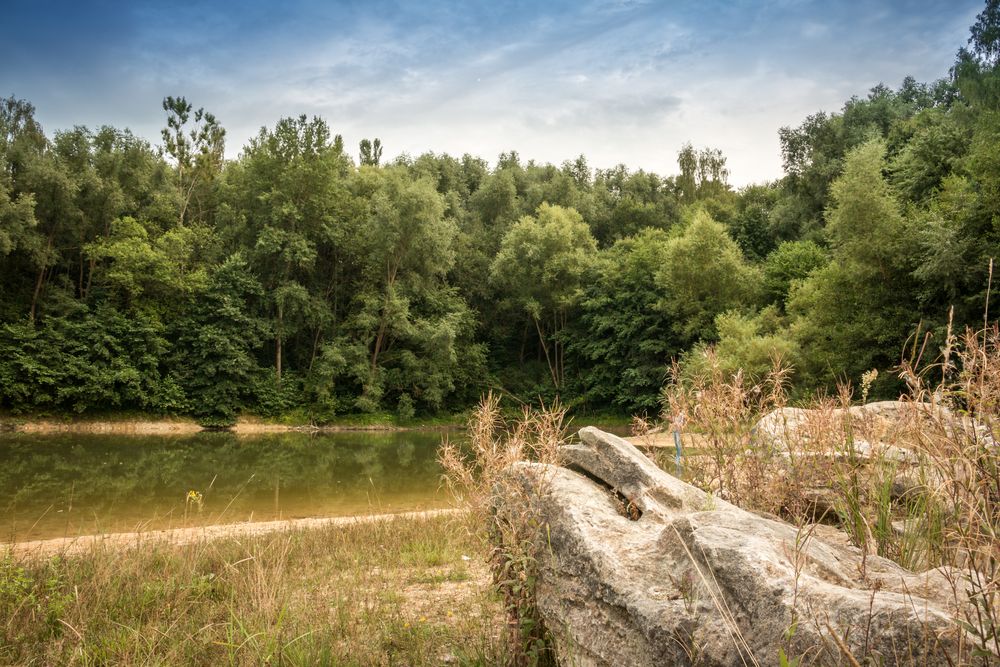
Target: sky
(620,81)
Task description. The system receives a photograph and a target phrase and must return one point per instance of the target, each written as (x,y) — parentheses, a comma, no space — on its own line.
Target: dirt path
(181,536)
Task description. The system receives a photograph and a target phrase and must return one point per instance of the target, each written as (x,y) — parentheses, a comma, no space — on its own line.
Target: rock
(873,426)
(697,580)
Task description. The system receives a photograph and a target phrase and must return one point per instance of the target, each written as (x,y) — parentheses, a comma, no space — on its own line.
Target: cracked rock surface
(697,580)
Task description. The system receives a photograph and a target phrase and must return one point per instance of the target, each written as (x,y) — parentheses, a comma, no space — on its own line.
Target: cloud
(619,80)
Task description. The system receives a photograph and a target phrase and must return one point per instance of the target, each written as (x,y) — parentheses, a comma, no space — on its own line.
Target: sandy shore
(124,427)
(186,427)
(181,536)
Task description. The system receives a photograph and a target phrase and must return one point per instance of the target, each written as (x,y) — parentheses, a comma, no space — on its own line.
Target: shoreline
(174,426)
(244,426)
(183,536)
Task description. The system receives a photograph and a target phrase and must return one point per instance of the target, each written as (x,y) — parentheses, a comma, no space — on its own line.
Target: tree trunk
(545,349)
(34,296)
(277,346)
(39,282)
(312,357)
(79,282)
(384,324)
(524,343)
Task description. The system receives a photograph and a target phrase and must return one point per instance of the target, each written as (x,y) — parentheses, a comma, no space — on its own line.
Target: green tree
(622,339)
(856,312)
(704,274)
(370,153)
(407,318)
(540,268)
(751,344)
(292,206)
(792,261)
(214,351)
(197,151)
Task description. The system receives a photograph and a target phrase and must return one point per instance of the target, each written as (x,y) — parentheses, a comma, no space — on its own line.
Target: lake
(68,484)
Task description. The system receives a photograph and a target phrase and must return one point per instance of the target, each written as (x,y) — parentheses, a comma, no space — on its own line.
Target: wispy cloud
(619,80)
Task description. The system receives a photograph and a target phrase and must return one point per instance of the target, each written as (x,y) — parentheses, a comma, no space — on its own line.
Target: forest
(303,279)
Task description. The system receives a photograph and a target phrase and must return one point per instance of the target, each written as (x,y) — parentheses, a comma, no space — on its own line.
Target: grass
(502,515)
(406,591)
(921,488)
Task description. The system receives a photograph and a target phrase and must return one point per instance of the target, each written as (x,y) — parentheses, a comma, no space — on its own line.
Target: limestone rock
(875,427)
(697,580)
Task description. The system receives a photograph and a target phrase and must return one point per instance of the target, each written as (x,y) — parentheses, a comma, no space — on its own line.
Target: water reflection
(70,484)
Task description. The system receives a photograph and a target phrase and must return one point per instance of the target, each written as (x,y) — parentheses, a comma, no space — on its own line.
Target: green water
(74,484)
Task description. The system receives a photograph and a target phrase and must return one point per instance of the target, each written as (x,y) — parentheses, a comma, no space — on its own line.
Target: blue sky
(620,81)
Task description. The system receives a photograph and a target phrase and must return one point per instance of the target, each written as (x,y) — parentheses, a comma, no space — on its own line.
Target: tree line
(297,279)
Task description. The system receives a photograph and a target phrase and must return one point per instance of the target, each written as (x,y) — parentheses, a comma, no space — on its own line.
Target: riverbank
(132,425)
(140,424)
(409,589)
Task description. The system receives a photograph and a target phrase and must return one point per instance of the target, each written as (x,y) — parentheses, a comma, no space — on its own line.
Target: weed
(502,515)
(919,484)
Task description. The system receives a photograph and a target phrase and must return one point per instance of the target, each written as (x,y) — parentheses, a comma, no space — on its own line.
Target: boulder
(636,567)
(874,427)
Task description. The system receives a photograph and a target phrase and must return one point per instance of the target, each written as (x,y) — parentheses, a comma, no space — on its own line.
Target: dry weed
(503,514)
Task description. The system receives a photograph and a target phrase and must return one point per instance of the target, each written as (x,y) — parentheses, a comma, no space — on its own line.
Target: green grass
(385,593)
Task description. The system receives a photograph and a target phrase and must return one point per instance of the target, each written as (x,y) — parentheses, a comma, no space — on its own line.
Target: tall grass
(404,591)
(502,516)
(919,484)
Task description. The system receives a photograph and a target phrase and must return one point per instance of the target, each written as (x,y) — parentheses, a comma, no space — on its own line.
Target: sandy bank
(123,427)
(186,427)
(181,536)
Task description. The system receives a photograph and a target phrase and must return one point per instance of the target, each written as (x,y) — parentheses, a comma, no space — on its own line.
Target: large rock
(696,580)
(877,428)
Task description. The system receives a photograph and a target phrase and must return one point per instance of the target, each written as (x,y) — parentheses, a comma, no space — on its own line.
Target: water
(73,484)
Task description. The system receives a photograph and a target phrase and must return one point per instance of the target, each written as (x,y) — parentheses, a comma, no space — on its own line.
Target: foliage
(294,279)
(623,341)
(541,265)
(852,314)
(751,345)
(703,274)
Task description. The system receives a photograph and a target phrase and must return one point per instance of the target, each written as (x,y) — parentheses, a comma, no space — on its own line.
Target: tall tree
(854,313)
(197,151)
(370,153)
(622,338)
(290,187)
(704,274)
(540,266)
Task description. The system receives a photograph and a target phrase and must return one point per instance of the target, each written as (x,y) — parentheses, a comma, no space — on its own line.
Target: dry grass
(407,591)
(502,517)
(920,486)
